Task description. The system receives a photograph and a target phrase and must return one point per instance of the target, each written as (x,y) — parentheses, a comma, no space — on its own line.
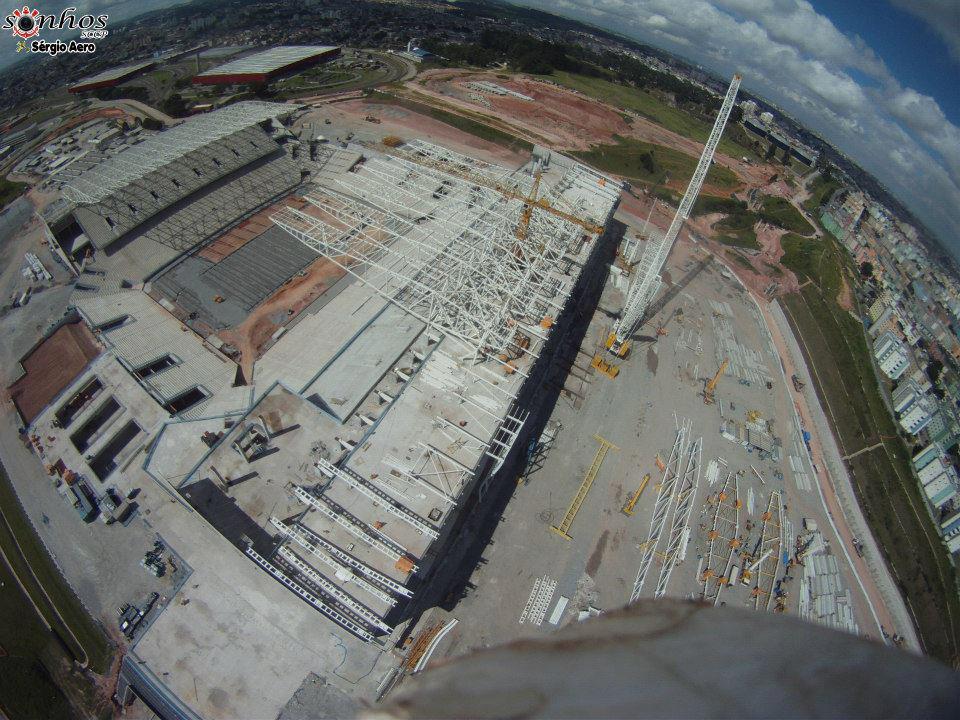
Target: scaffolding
(445,251)
(679,526)
(671,472)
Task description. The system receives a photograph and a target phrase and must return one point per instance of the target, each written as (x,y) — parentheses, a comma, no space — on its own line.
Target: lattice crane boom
(647,280)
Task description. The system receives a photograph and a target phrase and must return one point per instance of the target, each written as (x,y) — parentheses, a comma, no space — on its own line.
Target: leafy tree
(648,162)
(174,106)
(866,269)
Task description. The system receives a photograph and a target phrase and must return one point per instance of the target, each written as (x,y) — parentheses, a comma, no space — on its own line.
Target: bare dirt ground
(845,296)
(403,123)
(764,265)
(565,118)
(251,336)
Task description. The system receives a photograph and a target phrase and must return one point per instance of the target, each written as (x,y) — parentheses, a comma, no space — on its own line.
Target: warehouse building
(262,67)
(111,77)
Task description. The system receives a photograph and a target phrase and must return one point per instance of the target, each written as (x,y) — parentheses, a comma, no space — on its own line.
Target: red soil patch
(252,335)
(565,118)
(845,296)
(51,366)
(240,235)
(406,124)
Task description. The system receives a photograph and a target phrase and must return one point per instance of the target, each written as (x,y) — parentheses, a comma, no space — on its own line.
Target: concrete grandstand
(138,210)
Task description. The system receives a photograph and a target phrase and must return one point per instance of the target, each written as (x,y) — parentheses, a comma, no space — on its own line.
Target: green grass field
(820,191)
(10,191)
(737,230)
(467,125)
(836,350)
(650,107)
(27,688)
(83,637)
(780,212)
(707,204)
(628,158)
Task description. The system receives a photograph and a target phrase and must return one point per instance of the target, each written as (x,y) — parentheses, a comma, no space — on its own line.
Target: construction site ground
(658,386)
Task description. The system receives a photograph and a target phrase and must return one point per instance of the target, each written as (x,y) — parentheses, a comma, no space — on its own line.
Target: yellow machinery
(611,371)
(627,509)
(563,529)
(527,213)
(712,383)
(621,350)
(754,415)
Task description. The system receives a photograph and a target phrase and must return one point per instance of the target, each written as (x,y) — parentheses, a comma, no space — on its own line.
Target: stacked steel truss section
(461,270)
(723,539)
(662,506)
(768,552)
(679,526)
(464,166)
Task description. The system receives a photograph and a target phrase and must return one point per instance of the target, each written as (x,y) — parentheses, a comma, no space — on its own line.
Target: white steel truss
(459,268)
(114,173)
(378,496)
(769,552)
(662,506)
(723,539)
(345,599)
(310,598)
(679,525)
(647,276)
(465,166)
(353,525)
(320,548)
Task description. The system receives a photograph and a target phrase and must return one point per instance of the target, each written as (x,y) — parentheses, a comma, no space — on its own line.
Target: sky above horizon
(879,79)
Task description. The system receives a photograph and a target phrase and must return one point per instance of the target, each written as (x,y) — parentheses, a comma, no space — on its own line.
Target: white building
(883,320)
(919,416)
(891,355)
(906,394)
(928,473)
(919,376)
(766,117)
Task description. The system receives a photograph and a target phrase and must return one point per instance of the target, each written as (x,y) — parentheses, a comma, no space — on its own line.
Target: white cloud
(793,55)
(943,17)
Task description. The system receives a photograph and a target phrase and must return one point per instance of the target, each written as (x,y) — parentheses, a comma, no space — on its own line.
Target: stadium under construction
(333,464)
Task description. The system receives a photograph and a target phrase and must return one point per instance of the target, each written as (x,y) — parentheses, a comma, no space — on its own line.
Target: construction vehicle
(608,369)
(711,385)
(372,119)
(627,508)
(797,384)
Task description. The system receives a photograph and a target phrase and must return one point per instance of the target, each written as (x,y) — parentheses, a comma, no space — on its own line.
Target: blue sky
(878,79)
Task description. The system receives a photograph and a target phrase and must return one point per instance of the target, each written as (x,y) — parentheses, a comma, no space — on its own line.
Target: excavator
(712,384)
